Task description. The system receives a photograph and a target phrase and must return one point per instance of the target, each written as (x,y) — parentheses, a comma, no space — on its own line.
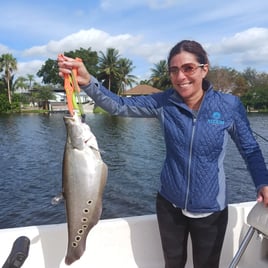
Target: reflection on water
(32,147)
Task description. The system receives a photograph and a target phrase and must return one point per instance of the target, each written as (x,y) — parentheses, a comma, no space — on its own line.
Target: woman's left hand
(263,195)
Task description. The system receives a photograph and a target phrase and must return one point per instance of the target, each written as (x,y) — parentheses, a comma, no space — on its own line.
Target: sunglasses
(187,69)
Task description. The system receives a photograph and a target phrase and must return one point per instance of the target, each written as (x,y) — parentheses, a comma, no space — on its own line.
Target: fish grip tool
(258,222)
(72,90)
(19,253)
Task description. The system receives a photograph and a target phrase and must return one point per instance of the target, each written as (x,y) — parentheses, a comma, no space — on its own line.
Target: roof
(141,90)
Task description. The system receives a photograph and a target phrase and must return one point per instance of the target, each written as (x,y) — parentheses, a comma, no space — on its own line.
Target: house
(60,96)
(59,104)
(141,90)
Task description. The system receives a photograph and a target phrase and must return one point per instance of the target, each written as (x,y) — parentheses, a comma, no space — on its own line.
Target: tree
(8,64)
(108,66)
(5,106)
(262,97)
(20,83)
(49,71)
(145,82)
(125,78)
(2,85)
(44,94)
(30,79)
(256,99)
(222,78)
(262,79)
(160,77)
(250,75)
(89,58)
(241,86)
(257,95)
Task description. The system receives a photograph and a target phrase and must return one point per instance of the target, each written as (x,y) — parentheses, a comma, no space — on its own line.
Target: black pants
(207,236)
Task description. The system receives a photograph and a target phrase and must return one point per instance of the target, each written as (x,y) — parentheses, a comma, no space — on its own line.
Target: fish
(84,176)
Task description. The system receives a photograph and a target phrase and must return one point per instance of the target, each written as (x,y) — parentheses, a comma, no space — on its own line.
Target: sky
(233,32)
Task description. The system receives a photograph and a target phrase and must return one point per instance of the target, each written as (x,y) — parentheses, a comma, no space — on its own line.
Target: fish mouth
(68,115)
(72,117)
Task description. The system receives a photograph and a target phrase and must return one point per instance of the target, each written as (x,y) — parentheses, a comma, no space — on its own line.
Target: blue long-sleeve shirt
(192,176)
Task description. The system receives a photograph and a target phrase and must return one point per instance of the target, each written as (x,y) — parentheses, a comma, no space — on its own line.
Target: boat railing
(258,222)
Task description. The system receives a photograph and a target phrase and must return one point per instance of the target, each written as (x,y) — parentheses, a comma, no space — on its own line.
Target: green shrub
(4,104)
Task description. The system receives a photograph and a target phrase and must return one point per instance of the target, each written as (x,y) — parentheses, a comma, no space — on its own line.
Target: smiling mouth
(184,84)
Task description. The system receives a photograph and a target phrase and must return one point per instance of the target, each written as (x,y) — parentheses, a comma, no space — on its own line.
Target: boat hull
(128,242)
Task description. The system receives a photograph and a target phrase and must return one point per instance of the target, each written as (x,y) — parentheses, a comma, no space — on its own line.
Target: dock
(62,107)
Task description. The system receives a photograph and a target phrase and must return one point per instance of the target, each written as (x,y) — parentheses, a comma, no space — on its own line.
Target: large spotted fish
(84,178)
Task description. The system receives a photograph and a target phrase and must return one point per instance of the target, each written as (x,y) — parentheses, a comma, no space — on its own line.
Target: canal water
(31,149)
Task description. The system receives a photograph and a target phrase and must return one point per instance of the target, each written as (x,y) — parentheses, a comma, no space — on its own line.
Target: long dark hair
(191,47)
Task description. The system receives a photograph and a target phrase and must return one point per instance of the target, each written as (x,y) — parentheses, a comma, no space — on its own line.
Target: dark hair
(191,47)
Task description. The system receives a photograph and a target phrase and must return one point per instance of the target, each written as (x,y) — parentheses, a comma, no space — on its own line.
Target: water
(31,148)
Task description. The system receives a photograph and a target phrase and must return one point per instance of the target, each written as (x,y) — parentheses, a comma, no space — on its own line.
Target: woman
(196,121)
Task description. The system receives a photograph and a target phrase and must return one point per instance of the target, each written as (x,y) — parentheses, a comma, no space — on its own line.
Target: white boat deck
(127,243)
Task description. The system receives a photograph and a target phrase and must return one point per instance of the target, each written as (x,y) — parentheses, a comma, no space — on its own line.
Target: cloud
(243,49)
(250,39)
(31,67)
(153,53)
(5,50)
(96,39)
(130,4)
(129,46)
(160,4)
(249,47)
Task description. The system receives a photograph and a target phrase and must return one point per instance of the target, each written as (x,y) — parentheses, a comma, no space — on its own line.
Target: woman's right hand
(66,64)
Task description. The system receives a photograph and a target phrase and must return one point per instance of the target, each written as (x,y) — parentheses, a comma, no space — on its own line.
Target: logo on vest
(215,119)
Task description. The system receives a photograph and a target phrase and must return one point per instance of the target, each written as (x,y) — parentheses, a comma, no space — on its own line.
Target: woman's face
(186,75)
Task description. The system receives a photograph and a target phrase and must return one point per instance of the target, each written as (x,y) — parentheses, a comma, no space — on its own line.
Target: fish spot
(89,202)
(84,226)
(85,210)
(74,244)
(80,231)
(78,238)
(84,219)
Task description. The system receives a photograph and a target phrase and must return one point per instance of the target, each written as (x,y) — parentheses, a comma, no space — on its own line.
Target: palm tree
(125,78)
(108,66)
(160,78)
(20,83)
(30,78)
(8,64)
(146,82)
